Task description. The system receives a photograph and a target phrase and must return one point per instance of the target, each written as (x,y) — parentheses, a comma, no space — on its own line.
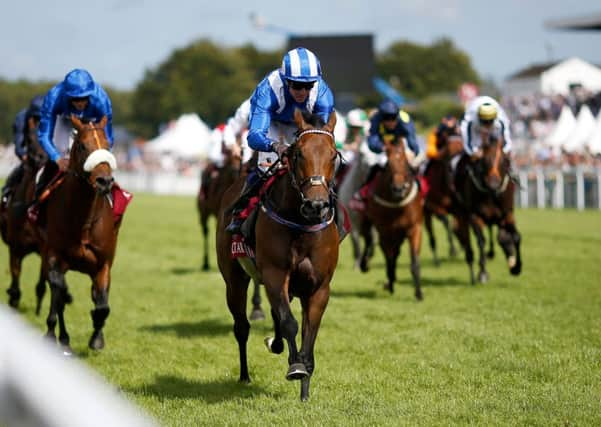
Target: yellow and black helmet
(487,112)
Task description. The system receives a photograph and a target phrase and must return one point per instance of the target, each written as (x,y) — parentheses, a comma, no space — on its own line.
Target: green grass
(516,351)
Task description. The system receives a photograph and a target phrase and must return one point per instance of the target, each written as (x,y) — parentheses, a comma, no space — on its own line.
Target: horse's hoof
(516,269)
(453,253)
(512,261)
(274,346)
(244,380)
(388,287)
(257,314)
(490,254)
(96,341)
(419,296)
(363,265)
(297,371)
(68,297)
(67,350)
(483,277)
(205,268)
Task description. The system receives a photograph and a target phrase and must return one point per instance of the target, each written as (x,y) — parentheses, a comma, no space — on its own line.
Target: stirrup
(234,226)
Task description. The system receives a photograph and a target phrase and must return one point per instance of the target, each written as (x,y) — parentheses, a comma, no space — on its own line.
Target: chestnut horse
(485,192)
(296,248)
(18,233)
(79,231)
(396,210)
(438,175)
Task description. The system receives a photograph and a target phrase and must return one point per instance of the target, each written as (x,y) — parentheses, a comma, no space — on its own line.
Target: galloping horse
(214,182)
(439,198)
(485,194)
(17,232)
(79,231)
(396,210)
(296,248)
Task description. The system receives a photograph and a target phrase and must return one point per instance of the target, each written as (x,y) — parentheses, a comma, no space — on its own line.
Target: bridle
(313,180)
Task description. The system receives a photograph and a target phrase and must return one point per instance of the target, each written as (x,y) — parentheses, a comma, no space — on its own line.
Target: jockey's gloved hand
(280,148)
(63,164)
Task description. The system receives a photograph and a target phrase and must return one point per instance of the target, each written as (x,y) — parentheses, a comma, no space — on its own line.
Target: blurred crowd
(533,120)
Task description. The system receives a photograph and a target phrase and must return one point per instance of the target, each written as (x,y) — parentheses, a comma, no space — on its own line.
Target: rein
(405,201)
(484,189)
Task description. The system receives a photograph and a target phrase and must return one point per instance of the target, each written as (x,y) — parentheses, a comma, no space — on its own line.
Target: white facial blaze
(100,156)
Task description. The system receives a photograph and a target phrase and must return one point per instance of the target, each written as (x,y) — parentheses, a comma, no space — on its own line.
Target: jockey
(484,118)
(296,85)
(20,130)
(434,143)
(358,126)
(235,131)
(388,124)
(79,95)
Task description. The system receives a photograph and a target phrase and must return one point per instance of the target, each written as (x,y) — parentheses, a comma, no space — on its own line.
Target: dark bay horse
(79,231)
(438,175)
(296,249)
(214,182)
(18,233)
(396,210)
(485,192)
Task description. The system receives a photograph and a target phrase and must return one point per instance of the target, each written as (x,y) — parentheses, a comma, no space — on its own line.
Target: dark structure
(590,22)
(347,62)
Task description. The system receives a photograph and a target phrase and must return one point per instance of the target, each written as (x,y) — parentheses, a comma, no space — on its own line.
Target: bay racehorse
(395,208)
(485,193)
(78,229)
(17,232)
(440,188)
(296,248)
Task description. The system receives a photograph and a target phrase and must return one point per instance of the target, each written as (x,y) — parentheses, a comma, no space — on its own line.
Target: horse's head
(90,156)
(401,176)
(449,140)
(36,155)
(232,155)
(312,162)
(494,164)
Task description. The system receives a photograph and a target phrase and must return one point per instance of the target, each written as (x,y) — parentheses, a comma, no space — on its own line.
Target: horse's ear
(103,121)
(331,124)
(76,122)
(299,119)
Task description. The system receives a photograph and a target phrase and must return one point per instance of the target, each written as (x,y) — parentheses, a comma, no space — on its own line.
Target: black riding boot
(251,185)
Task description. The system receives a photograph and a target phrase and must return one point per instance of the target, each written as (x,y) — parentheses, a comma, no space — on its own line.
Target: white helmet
(356,118)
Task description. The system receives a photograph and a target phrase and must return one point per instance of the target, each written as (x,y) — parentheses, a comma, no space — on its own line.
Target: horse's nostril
(104,181)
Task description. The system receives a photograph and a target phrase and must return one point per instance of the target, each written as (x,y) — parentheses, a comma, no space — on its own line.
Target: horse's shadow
(369,294)
(181,271)
(216,391)
(204,328)
(425,281)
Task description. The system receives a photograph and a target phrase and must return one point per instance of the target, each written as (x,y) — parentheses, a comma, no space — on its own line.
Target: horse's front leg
(313,309)
(478,227)
(415,242)
(101,282)
(391,252)
(491,244)
(431,236)
(462,231)
(447,226)
(368,236)
(204,219)
(510,239)
(276,285)
(14,291)
(58,299)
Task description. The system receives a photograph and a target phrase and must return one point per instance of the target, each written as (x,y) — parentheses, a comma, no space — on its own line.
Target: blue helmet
(388,108)
(35,106)
(301,65)
(78,83)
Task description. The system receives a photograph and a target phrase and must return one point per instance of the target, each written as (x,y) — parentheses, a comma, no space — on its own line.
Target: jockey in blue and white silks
(297,84)
(77,94)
